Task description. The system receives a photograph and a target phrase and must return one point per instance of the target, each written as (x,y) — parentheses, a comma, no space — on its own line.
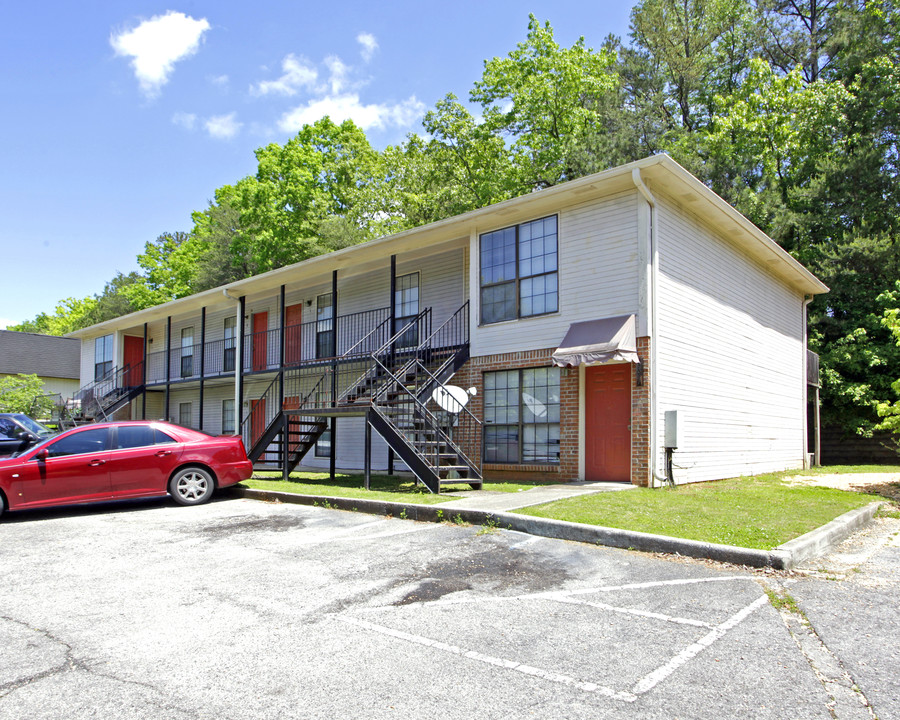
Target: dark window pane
(86,441)
(161,438)
(131,436)
(501,444)
(498,303)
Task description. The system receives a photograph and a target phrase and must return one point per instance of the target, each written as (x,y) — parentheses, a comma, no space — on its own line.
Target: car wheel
(191,486)
(2,504)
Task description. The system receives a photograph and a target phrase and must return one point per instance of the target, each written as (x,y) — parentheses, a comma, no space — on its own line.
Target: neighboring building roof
(658,171)
(46,356)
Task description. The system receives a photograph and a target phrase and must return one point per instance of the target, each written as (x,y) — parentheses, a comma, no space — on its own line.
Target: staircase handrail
(464,307)
(425,411)
(369,334)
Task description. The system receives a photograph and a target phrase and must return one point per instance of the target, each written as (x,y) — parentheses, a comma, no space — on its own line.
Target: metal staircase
(391,385)
(98,401)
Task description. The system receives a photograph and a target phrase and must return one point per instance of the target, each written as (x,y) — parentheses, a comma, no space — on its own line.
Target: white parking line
(632,611)
(490,660)
(648,682)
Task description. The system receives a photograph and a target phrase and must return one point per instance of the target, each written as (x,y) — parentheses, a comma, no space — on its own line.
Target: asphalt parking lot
(244,609)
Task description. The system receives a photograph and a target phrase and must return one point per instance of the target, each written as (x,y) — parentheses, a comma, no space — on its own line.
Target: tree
(70,314)
(542,97)
(24,394)
(318,174)
(887,410)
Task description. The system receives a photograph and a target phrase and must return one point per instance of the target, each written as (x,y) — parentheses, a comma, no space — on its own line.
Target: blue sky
(121,118)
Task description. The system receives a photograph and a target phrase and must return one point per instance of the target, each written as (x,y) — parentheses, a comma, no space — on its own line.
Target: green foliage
(70,314)
(24,394)
(541,96)
(890,411)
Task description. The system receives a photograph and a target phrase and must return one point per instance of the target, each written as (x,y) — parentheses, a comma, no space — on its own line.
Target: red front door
(257,420)
(260,340)
(608,423)
(293,317)
(133,361)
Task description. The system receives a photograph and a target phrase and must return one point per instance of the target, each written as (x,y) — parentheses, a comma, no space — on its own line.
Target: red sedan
(108,461)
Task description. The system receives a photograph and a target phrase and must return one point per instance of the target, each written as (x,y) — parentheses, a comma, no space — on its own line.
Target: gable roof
(41,355)
(658,172)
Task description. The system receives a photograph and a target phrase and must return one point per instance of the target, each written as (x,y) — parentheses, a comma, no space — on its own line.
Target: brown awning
(598,341)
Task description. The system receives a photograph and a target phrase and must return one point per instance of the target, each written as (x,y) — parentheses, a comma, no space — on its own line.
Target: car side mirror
(42,454)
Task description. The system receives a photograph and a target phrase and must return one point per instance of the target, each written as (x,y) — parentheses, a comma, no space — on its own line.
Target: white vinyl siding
(730,355)
(598,277)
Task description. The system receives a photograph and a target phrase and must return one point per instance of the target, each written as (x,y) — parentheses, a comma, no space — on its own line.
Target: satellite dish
(450,398)
(535,405)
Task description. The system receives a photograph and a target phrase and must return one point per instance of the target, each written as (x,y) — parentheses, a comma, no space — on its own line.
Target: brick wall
(471,375)
(640,417)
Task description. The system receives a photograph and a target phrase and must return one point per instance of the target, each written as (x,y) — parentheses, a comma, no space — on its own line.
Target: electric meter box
(674,428)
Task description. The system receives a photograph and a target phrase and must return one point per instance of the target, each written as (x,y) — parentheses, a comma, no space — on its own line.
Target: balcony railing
(357,334)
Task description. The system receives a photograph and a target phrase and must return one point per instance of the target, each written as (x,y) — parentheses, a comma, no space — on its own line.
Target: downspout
(238,361)
(653,262)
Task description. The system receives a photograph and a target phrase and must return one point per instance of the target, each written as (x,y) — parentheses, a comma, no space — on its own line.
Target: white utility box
(674,429)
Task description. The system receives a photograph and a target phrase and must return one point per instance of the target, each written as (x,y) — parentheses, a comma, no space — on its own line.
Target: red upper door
(608,423)
(133,361)
(293,317)
(260,340)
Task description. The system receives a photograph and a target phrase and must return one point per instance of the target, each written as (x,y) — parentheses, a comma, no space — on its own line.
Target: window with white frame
(519,275)
(521,416)
(187,352)
(185,414)
(406,307)
(230,333)
(103,356)
(324,326)
(323,444)
(228,424)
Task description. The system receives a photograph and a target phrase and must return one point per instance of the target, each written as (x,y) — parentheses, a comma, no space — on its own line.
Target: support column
(368,465)
(168,363)
(390,335)
(239,364)
(334,369)
(144,379)
(202,362)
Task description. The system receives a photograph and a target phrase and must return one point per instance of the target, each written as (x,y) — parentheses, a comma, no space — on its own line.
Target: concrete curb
(784,557)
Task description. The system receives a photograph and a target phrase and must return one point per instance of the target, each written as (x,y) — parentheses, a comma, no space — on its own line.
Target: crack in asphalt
(846,700)
(72,663)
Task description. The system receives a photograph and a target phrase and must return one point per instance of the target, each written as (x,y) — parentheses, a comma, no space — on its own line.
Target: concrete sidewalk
(490,501)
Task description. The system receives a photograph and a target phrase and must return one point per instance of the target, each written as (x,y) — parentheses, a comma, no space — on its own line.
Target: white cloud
(297,74)
(349,107)
(369,45)
(6,322)
(338,72)
(223,127)
(186,120)
(220,80)
(157,44)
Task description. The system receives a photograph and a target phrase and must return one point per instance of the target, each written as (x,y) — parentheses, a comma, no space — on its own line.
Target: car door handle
(96,463)
(163,453)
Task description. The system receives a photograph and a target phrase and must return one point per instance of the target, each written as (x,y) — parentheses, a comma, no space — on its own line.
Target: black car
(19,432)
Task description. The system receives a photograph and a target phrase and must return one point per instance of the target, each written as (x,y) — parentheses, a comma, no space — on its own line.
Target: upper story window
(406,303)
(519,271)
(230,334)
(324,326)
(103,356)
(187,352)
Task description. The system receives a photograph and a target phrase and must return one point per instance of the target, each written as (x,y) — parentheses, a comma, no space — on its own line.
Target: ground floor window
(521,416)
(228,417)
(185,414)
(323,445)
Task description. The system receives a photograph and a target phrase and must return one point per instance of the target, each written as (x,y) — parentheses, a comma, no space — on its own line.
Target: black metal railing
(357,334)
(99,398)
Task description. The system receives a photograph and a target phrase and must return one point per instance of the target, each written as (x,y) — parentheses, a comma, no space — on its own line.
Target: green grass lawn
(756,512)
(383,487)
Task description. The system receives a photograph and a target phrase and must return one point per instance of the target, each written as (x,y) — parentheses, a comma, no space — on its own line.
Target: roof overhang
(658,172)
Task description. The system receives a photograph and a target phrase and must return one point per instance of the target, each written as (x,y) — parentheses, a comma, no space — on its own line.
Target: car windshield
(34,426)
